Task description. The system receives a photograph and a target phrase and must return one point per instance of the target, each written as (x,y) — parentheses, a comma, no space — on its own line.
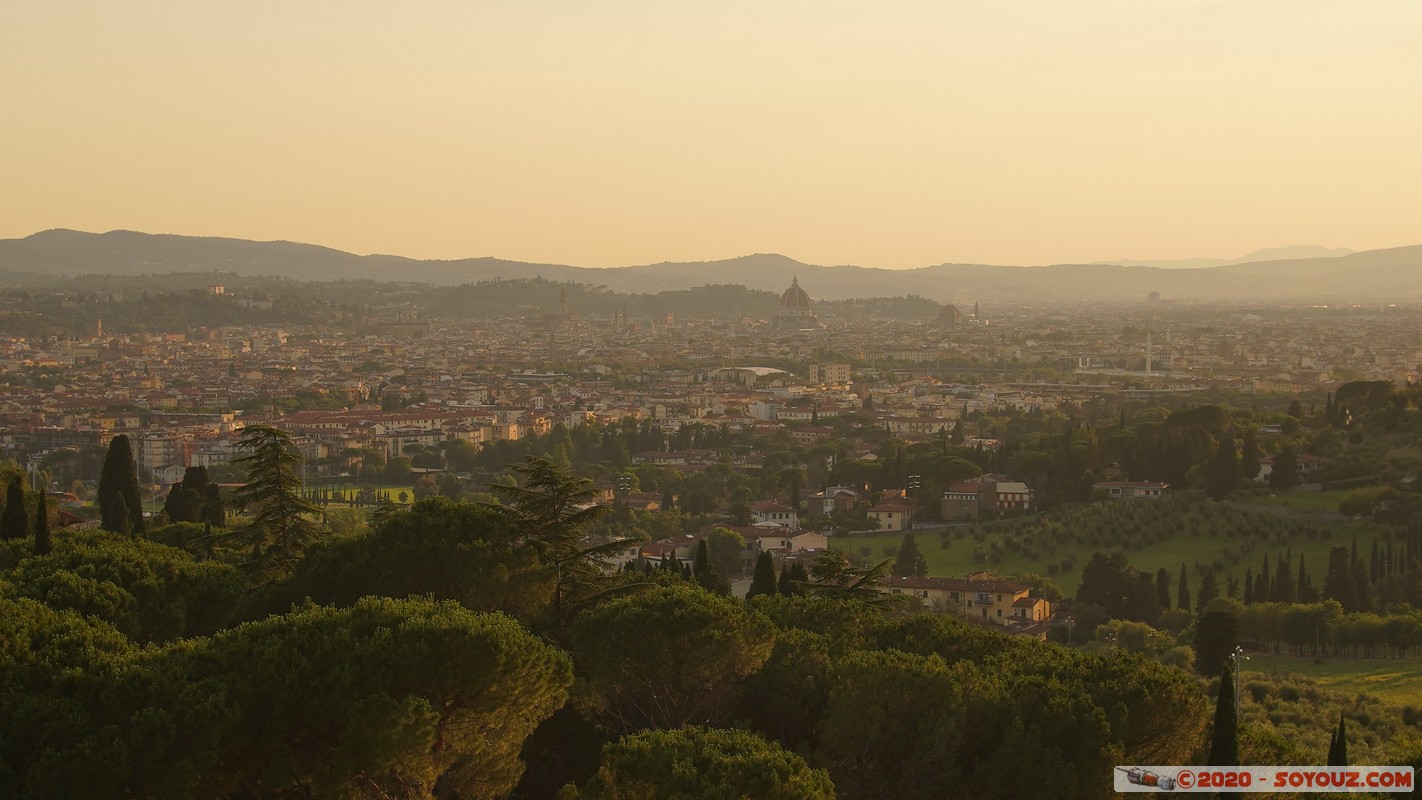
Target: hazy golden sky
(892,134)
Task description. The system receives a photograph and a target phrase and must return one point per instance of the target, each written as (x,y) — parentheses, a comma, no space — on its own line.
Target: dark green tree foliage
(831,575)
(1216,634)
(1338,746)
(15,519)
(1107,581)
(1285,472)
(668,657)
(1339,584)
(1209,589)
(1249,456)
(439,548)
(123,521)
(150,592)
(118,487)
(1306,591)
(1223,471)
(912,725)
(214,508)
(186,499)
(281,524)
(1248,586)
(701,571)
(763,580)
(552,511)
(703,764)
(241,716)
(1182,600)
(1145,602)
(42,543)
(725,547)
(1266,588)
(1284,589)
(1162,588)
(910,561)
(1224,734)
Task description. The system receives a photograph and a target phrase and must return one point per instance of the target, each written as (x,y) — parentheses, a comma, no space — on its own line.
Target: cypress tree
(1338,746)
(15,521)
(783,585)
(910,561)
(1224,737)
(122,520)
(1264,576)
(701,567)
(214,509)
(1374,562)
(42,527)
(119,479)
(1209,589)
(1284,591)
(1162,588)
(1248,586)
(1305,589)
(1249,456)
(1222,472)
(1285,473)
(763,581)
(1182,599)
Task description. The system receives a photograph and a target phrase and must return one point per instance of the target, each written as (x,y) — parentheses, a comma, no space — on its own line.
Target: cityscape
(779,401)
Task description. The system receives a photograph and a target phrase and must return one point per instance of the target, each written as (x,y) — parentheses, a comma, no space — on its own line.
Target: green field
(959,559)
(1395,680)
(1305,501)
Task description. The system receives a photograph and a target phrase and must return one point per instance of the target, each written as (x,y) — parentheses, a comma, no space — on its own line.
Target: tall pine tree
(1162,588)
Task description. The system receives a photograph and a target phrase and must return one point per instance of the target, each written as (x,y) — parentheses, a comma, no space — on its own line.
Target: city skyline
(638,133)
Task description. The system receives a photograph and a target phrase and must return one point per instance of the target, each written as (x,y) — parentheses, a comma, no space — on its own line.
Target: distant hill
(1267,254)
(1394,274)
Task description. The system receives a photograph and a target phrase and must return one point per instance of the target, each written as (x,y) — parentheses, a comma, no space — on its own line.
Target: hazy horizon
(636,132)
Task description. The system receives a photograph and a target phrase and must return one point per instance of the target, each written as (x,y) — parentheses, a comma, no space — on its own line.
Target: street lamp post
(1234,659)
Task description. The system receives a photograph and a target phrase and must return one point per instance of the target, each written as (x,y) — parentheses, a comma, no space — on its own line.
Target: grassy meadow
(1395,680)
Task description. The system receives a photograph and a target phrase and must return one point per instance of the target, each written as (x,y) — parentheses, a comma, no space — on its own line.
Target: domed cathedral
(948,317)
(795,312)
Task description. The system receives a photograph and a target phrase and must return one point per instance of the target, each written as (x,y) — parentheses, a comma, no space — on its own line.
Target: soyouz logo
(1262,779)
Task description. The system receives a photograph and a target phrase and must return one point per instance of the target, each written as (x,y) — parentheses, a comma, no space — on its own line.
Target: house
(834,498)
(770,511)
(893,515)
(1127,490)
(980,596)
(986,495)
(1308,464)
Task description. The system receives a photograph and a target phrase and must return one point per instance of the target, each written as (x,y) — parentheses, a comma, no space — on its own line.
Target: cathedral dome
(949,315)
(795,297)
